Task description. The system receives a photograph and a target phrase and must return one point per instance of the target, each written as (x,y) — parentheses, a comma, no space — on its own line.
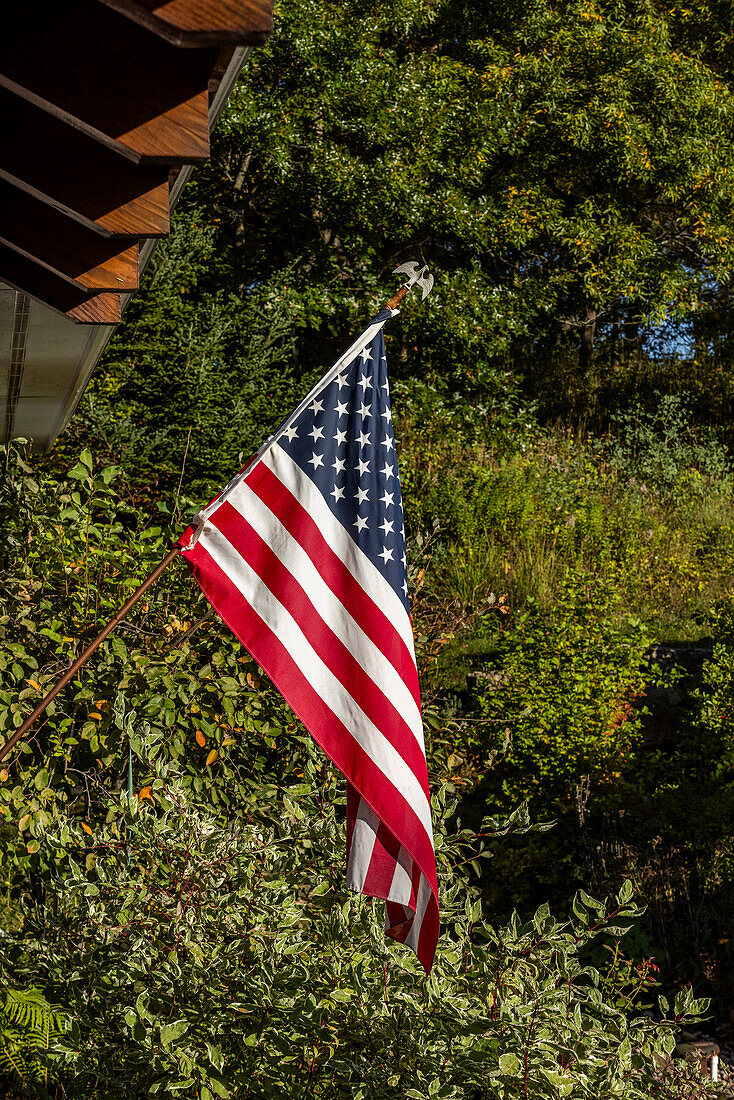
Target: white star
(385,554)
(341,409)
(338,464)
(292,433)
(317,406)
(364,439)
(316,460)
(384,385)
(365,410)
(405,587)
(316,433)
(340,437)
(341,380)
(366,354)
(361,523)
(387,471)
(388,416)
(337,493)
(387,526)
(363,467)
(361,495)
(387,442)
(386,498)
(404,560)
(365,383)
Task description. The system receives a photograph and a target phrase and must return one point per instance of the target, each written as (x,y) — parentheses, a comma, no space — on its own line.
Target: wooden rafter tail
(200,23)
(85,258)
(137,94)
(74,174)
(79,305)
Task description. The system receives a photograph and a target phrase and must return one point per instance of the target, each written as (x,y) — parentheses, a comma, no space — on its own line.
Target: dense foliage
(566,167)
(172,869)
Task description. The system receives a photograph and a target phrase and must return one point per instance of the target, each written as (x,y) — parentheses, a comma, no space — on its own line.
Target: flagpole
(81,660)
(414,276)
(397,298)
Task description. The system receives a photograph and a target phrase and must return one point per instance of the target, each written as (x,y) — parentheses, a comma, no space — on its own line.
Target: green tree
(565,168)
(194,375)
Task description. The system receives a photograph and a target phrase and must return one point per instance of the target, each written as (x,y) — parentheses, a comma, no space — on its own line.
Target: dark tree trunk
(586,344)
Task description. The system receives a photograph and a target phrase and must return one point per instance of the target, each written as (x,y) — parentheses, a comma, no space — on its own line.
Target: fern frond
(14,1060)
(30,1010)
(27,1022)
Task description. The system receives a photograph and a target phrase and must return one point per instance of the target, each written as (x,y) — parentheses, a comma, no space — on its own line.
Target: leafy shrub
(676,840)
(197,933)
(560,700)
(555,721)
(663,446)
(231,961)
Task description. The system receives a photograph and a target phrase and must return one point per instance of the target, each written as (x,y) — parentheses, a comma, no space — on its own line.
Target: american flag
(303,556)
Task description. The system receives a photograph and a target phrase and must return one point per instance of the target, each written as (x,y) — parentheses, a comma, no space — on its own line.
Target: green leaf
(171,1032)
(80,472)
(625,892)
(219,1087)
(509,1064)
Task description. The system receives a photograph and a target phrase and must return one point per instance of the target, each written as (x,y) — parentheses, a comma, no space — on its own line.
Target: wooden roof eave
(82,206)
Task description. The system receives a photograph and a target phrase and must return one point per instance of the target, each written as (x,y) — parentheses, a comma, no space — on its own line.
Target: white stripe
(367,575)
(385,757)
(364,835)
(401,887)
(295,559)
(424,897)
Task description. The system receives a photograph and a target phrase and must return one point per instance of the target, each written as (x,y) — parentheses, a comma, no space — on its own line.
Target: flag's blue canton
(344,442)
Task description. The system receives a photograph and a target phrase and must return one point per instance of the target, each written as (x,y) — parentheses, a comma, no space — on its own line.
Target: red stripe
(325,642)
(327,730)
(396,914)
(400,922)
(296,520)
(383,863)
(384,858)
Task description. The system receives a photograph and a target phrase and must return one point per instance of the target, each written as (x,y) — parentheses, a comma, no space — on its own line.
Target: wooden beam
(97,309)
(78,176)
(63,246)
(63,297)
(197,23)
(98,71)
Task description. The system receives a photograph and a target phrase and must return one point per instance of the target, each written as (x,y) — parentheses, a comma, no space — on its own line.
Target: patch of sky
(674,337)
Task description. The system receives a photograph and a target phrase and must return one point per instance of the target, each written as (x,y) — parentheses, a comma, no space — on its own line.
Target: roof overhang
(108,108)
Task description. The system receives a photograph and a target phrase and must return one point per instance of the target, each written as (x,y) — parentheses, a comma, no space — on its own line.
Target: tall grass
(517,523)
